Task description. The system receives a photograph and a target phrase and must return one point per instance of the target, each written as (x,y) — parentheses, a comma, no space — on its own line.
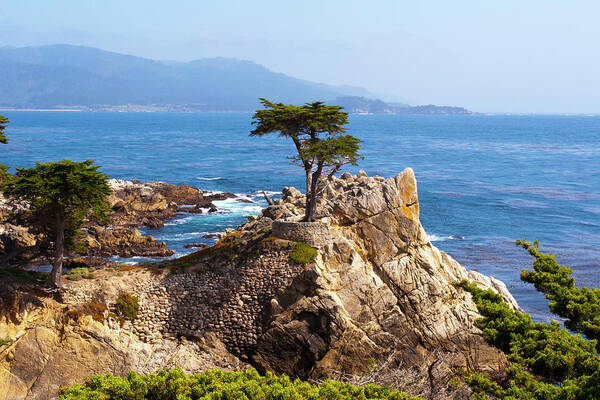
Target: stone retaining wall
(316,234)
(233,302)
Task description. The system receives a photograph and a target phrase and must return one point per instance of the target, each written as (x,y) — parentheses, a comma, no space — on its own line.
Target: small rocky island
(377,292)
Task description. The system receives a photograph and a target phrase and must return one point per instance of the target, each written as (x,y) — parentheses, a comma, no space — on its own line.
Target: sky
(525,56)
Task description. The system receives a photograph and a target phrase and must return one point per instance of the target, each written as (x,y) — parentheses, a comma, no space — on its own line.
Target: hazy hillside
(62,75)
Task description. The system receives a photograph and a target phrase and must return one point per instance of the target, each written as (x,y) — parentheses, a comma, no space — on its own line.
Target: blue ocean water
(486,179)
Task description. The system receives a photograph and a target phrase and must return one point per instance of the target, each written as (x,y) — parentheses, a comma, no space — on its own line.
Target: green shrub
(4,342)
(217,384)
(303,254)
(128,306)
(76,274)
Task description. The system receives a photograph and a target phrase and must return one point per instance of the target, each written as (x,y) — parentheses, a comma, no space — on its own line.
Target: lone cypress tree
(316,130)
(61,195)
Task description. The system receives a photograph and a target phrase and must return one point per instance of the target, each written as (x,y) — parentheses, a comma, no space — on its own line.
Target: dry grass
(127,267)
(433,380)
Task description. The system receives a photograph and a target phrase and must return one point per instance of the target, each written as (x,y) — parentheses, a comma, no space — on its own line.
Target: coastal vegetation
(303,253)
(315,129)
(60,195)
(579,306)
(4,174)
(548,362)
(217,384)
(128,306)
(78,273)
(3,123)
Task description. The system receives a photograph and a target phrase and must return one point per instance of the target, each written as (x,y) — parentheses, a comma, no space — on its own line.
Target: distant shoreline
(41,109)
(101,110)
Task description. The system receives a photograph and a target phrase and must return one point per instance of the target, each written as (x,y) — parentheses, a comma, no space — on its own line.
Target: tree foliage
(60,196)
(548,361)
(3,122)
(317,132)
(216,384)
(5,176)
(580,306)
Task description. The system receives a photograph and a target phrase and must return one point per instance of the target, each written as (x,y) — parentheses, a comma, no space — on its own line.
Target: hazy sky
(489,56)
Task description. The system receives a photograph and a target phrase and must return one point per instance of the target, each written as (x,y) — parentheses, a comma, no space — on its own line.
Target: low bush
(303,254)
(76,274)
(95,309)
(217,384)
(128,306)
(4,342)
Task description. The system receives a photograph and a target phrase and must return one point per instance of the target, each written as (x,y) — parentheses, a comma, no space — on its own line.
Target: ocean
(484,180)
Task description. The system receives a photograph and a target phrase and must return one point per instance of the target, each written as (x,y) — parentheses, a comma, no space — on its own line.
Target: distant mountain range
(65,76)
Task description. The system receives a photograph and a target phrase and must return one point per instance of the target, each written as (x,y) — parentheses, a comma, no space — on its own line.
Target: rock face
(56,346)
(378,291)
(15,242)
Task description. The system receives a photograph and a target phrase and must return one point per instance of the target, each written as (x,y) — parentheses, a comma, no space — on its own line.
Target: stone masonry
(316,234)
(229,302)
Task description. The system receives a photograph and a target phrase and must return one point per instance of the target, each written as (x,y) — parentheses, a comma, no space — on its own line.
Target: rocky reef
(378,292)
(133,204)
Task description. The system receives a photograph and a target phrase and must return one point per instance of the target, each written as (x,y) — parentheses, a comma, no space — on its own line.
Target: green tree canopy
(3,122)
(61,195)
(4,174)
(316,130)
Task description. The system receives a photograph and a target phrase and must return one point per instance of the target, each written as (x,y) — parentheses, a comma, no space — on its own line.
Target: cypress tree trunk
(311,202)
(55,278)
(308,194)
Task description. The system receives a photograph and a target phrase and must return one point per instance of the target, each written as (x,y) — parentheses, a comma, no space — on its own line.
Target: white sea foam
(205,178)
(436,238)
(212,192)
(243,196)
(253,209)
(190,234)
(234,206)
(268,192)
(180,221)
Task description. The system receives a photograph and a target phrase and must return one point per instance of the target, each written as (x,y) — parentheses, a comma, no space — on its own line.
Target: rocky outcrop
(104,242)
(379,289)
(133,204)
(56,345)
(16,242)
(377,292)
(150,204)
